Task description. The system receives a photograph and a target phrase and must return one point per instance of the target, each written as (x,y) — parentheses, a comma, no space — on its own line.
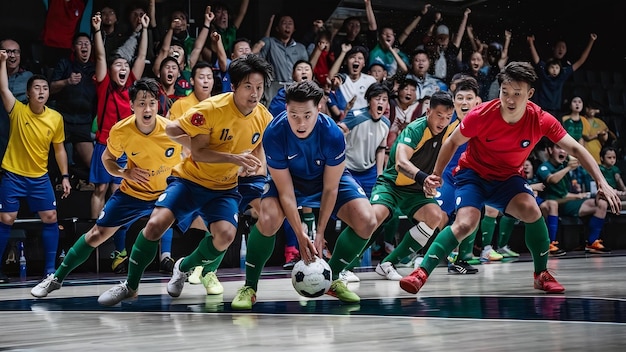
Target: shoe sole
(557,254)
(546,291)
(595,251)
(409,287)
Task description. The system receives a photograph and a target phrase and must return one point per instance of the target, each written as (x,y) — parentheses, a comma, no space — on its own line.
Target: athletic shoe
(555,251)
(452,257)
(4,279)
(414,281)
(461,267)
(212,284)
(339,290)
(49,284)
(489,255)
(507,252)
(196,276)
(244,299)
(389,247)
(167,265)
(290,264)
(546,282)
(388,271)
(119,265)
(177,282)
(117,294)
(597,248)
(348,276)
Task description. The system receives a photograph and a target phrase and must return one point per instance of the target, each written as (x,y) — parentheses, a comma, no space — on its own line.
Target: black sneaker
(4,279)
(461,267)
(290,264)
(167,265)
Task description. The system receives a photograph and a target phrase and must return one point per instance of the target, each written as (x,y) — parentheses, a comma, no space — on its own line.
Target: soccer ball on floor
(311,280)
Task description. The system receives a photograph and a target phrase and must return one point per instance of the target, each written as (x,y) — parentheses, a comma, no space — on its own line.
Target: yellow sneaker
(212,284)
(195,277)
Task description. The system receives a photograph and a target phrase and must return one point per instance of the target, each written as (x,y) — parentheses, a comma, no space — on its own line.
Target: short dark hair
(376,89)
(35,77)
(242,67)
(304,91)
(519,71)
(606,149)
(301,61)
(166,60)
(199,65)
(80,35)
(466,83)
(147,84)
(441,97)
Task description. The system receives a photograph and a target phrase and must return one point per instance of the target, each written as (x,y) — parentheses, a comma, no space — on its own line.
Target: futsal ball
(312,280)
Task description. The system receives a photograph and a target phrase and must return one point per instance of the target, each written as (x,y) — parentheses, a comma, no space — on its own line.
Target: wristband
(65,176)
(207,27)
(420,176)
(97,31)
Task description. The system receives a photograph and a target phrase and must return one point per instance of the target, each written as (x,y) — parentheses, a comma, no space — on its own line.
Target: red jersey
(113,105)
(62,21)
(496,149)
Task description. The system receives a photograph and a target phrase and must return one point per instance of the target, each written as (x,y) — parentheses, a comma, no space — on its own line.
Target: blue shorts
(473,191)
(187,200)
(122,209)
(445,195)
(97,173)
(250,189)
(349,189)
(38,192)
(367,179)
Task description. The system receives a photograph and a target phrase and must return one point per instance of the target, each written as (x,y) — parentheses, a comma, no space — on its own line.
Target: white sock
(421,233)
(165,255)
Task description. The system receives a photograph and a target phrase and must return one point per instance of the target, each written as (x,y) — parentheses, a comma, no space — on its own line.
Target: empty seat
(618,79)
(580,78)
(606,79)
(599,95)
(616,101)
(593,78)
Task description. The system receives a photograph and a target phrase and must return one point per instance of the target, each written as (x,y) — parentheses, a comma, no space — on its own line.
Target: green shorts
(571,207)
(408,202)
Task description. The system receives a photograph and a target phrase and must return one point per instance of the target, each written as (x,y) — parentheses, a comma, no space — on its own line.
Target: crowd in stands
(93,55)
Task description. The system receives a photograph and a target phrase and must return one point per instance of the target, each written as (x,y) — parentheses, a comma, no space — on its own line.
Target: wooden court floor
(494,310)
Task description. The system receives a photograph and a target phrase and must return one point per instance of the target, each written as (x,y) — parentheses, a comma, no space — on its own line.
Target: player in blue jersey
(305,153)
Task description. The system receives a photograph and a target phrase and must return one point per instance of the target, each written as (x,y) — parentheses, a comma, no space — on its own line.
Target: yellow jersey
(181,105)
(30,138)
(230,132)
(154,152)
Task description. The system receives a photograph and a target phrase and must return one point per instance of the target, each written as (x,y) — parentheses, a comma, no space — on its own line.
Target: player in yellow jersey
(34,127)
(223,134)
(151,157)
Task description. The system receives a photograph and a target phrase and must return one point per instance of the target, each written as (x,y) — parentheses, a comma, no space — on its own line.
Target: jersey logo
(289,157)
(197,119)
(435,145)
(225,135)
(525,143)
(407,140)
(255,137)
(318,162)
(134,153)
(169,152)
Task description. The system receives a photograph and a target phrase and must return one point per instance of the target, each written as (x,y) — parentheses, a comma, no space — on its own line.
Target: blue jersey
(305,158)
(447,172)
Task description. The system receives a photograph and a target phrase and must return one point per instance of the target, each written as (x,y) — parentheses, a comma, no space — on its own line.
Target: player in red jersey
(500,136)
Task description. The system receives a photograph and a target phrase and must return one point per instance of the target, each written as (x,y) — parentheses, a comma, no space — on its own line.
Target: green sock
(141,256)
(487,226)
(309,220)
(391,226)
(262,249)
(357,261)
(214,264)
(505,230)
(405,248)
(444,243)
(75,256)
(205,252)
(347,248)
(466,247)
(538,243)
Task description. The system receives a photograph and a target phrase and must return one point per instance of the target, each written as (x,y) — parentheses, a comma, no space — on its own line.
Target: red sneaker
(546,282)
(414,281)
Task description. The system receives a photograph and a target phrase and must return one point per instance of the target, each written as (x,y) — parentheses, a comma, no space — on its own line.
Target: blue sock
(5,232)
(119,239)
(166,241)
(595,226)
(553,226)
(50,236)
(290,237)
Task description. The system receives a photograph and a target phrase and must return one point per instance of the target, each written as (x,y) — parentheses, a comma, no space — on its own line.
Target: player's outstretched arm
(605,191)
(5,93)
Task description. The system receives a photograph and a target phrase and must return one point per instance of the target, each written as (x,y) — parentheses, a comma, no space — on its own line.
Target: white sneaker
(177,282)
(195,277)
(212,284)
(387,270)
(49,284)
(348,276)
(116,294)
